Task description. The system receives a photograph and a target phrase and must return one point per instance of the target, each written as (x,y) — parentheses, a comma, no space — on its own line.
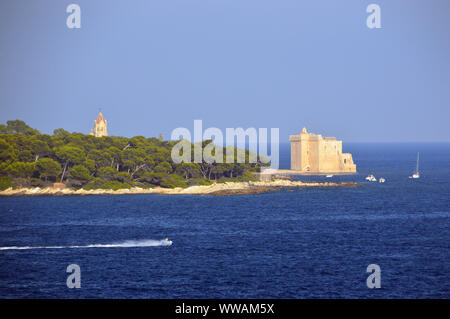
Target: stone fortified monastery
(310,153)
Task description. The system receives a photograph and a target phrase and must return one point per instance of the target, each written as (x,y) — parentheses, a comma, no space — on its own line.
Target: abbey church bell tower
(100,126)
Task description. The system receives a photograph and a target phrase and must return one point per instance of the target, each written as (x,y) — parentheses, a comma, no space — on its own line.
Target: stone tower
(316,154)
(100,126)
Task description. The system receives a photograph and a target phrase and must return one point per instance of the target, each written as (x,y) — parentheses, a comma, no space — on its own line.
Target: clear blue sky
(154,65)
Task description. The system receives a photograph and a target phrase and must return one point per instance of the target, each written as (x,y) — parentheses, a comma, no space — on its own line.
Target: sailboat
(416,173)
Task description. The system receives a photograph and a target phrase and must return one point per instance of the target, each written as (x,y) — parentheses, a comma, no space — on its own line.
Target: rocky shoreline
(218,189)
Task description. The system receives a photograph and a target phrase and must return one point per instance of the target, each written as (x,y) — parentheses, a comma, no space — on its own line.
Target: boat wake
(124,244)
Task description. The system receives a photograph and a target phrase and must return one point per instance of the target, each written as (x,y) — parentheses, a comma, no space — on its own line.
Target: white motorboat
(166,242)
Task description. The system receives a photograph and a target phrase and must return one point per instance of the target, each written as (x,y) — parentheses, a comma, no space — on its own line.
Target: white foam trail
(127,243)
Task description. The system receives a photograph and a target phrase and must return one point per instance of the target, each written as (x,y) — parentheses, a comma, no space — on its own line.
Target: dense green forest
(29,159)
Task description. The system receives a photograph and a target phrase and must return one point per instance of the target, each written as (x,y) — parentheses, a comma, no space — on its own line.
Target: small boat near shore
(371,178)
(381,180)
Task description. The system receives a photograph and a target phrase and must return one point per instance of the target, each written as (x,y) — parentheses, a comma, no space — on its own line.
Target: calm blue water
(288,244)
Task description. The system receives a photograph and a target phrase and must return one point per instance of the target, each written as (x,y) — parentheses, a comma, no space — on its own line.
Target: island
(29,159)
(67,163)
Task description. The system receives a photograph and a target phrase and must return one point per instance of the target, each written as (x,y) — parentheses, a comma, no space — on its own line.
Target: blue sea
(293,243)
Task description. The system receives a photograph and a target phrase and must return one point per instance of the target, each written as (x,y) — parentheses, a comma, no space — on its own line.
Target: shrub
(94,183)
(124,177)
(152,178)
(172,181)
(4,168)
(5,182)
(115,185)
(204,182)
(227,180)
(36,182)
(75,183)
(139,184)
(199,181)
(21,182)
(247,176)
